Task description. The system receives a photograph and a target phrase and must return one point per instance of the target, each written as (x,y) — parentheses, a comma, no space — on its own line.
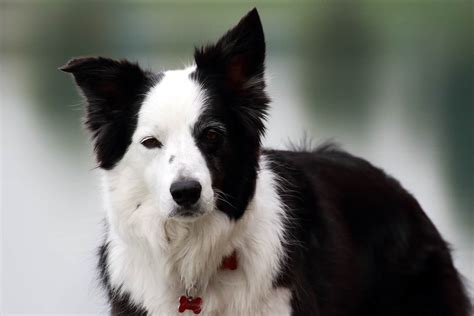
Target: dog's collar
(229,262)
(188,302)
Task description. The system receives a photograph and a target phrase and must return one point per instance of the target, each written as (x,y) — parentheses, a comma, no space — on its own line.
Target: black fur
(114,91)
(231,72)
(359,244)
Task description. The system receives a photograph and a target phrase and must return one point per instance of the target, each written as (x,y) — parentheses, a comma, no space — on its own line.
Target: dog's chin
(187,214)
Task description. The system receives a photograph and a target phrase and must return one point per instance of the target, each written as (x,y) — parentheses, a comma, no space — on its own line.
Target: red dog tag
(190,303)
(194,304)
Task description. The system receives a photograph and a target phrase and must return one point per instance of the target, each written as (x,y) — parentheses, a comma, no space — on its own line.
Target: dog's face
(182,143)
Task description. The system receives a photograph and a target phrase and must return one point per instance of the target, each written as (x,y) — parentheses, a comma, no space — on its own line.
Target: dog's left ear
(239,55)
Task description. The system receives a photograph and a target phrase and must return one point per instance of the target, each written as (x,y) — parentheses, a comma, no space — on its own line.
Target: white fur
(157,258)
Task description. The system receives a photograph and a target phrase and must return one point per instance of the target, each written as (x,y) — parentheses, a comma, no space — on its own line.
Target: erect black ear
(113,90)
(239,55)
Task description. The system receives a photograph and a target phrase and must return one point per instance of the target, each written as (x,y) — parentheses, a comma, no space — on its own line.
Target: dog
(202,220)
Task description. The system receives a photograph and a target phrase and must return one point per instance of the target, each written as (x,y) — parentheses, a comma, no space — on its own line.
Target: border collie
(201,219)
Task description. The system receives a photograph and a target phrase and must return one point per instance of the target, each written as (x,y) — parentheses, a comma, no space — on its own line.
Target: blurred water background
(391,81)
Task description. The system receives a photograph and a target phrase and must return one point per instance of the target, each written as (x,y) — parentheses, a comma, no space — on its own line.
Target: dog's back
(361,244)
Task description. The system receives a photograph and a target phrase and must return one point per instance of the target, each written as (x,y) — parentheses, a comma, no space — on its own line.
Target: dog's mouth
(186,212)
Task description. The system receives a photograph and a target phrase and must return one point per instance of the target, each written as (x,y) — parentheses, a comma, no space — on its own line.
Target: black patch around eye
(212,135)
(211,139)
(151,142)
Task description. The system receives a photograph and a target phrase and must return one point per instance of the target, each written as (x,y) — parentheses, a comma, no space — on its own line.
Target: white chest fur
(167,258)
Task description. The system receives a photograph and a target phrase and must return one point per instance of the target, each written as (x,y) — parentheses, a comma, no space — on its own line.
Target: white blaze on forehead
(169,112)
(174,103)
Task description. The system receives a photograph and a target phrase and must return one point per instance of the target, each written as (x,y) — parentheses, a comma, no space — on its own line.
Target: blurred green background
(391,81)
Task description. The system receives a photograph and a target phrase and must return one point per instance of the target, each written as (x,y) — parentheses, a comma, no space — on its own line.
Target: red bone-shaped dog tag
(194,304)
(189,303)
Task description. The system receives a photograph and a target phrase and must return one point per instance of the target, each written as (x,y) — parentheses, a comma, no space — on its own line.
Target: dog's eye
(151,142)
(211,139)
(211,135)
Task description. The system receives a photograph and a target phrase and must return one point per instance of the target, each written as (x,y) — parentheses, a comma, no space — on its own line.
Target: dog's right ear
(238,56)
(113,90)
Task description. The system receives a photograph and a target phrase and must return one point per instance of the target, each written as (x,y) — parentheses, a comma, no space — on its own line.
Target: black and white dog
(201,219)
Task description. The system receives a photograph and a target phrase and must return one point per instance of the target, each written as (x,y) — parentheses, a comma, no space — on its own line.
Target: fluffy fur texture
(316,232)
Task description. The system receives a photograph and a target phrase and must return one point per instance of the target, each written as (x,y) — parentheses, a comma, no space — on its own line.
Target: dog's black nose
(185,192)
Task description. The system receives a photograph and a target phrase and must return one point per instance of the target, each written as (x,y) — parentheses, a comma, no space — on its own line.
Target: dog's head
(184,143)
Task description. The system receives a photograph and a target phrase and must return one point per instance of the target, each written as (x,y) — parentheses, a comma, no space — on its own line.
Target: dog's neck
(195,251)
(188,253)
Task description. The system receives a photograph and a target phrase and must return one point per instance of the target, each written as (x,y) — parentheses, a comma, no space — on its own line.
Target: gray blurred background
(390,81)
